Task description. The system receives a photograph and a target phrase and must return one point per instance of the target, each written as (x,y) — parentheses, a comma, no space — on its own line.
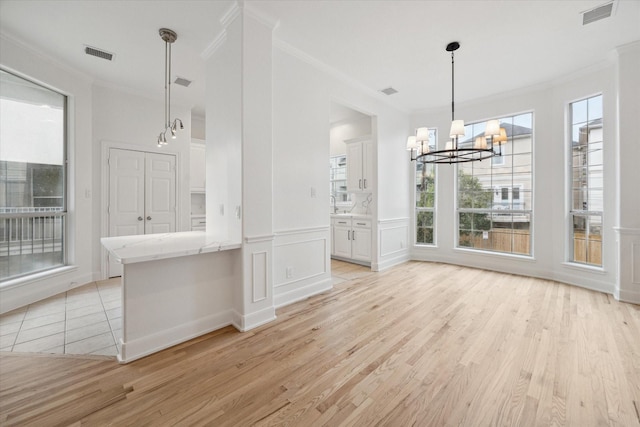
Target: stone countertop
(150,247)
(351,215)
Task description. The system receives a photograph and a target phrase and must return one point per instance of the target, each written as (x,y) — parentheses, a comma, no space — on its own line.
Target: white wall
(25,61)
(303,90)
(344,130)
(549,230)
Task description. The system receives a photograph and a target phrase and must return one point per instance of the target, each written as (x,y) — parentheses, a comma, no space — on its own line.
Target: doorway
(142,195)
(351,184)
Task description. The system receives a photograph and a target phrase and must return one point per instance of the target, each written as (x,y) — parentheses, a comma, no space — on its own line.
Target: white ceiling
(505,44)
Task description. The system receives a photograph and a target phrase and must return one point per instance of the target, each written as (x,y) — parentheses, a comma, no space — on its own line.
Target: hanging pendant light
(169,36)
(455,151)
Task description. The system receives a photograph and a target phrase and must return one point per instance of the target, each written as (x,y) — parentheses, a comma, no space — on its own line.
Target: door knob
(148,218)
(140,218)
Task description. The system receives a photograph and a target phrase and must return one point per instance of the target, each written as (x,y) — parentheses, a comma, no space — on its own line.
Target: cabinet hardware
(140,218)
(365,183)
(149,218)
(360,183)
(361,223)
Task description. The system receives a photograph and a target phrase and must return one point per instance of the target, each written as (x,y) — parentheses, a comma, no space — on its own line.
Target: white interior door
(142,195)
(160,193)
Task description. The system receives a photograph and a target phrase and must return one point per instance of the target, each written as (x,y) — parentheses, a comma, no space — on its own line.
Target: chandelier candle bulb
(412,143)
(422,134)
(493,128)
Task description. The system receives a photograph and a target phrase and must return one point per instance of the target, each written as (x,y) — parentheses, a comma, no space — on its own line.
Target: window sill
(24,280)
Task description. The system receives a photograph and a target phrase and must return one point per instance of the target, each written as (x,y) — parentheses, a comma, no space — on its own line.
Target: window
(494,203)
(32,177)
(425,197)
(338,179)
(586,193)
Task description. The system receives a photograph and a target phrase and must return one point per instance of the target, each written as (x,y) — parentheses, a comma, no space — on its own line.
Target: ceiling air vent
(98,52)
(598,13)
(182,81)
(389,91)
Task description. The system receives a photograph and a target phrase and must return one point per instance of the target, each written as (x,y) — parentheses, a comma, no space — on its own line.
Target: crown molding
(261,17)
(214,45)
(316,63)
(231,14)
(43,56)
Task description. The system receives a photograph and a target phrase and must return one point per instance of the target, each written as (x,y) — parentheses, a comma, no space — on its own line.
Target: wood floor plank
(424,344)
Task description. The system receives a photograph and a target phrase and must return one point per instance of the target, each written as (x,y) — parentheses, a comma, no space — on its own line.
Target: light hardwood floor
(420,344)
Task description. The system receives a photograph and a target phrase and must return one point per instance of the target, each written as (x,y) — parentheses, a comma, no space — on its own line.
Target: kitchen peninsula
(175,286)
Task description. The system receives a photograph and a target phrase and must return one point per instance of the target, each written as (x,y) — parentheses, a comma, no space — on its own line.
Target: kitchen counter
(150,247)
(175,286)
(351,215)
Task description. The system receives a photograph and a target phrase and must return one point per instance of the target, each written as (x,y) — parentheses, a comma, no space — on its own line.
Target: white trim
(256,285)
(584,267)
(302,293)
(244,323)
(230,15)
(213,47)
(392,220)
(144,346)
(258,239)
(316,63)
(302,230)
(627,231)
(263,18)
(46,58)
(388,263)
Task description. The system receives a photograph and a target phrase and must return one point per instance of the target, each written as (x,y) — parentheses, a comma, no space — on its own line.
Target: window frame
(587,212)
(433,138)
(496,187)
(64,212)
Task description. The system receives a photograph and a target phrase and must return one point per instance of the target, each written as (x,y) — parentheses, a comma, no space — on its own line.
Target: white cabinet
(197,165)
(351,239)
(360,164)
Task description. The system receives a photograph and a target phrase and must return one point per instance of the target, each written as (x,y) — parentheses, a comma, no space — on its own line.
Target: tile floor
(85,320)
(88,319)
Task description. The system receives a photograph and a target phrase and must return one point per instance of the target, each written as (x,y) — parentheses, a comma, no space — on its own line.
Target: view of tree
(471,195)
(425,198)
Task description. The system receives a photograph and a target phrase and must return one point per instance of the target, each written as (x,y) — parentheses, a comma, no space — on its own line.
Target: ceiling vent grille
(98,53)
(182,81)
(598,13)
(389,91)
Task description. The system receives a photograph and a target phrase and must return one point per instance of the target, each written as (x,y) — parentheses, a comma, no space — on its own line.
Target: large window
(586,181)
(495,196)
(32,177)
(425,197)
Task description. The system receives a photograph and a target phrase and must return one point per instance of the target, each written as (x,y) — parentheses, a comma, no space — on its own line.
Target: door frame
(104,190)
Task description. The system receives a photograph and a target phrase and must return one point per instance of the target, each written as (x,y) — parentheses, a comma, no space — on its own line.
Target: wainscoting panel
(301,264)
(259,275)
(393,240)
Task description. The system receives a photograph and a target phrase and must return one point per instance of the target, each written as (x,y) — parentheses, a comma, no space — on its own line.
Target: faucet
(333,203)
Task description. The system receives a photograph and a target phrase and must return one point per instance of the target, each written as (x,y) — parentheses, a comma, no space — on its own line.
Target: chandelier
(169,36)
(456,151)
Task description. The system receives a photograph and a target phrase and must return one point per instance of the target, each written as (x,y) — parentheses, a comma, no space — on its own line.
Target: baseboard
(250,321)
(43,286)
(391,262)
(304,292)
(632,297)
(144,346)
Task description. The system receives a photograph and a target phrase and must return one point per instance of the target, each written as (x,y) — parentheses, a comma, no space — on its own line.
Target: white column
(628,160)
(239,156)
